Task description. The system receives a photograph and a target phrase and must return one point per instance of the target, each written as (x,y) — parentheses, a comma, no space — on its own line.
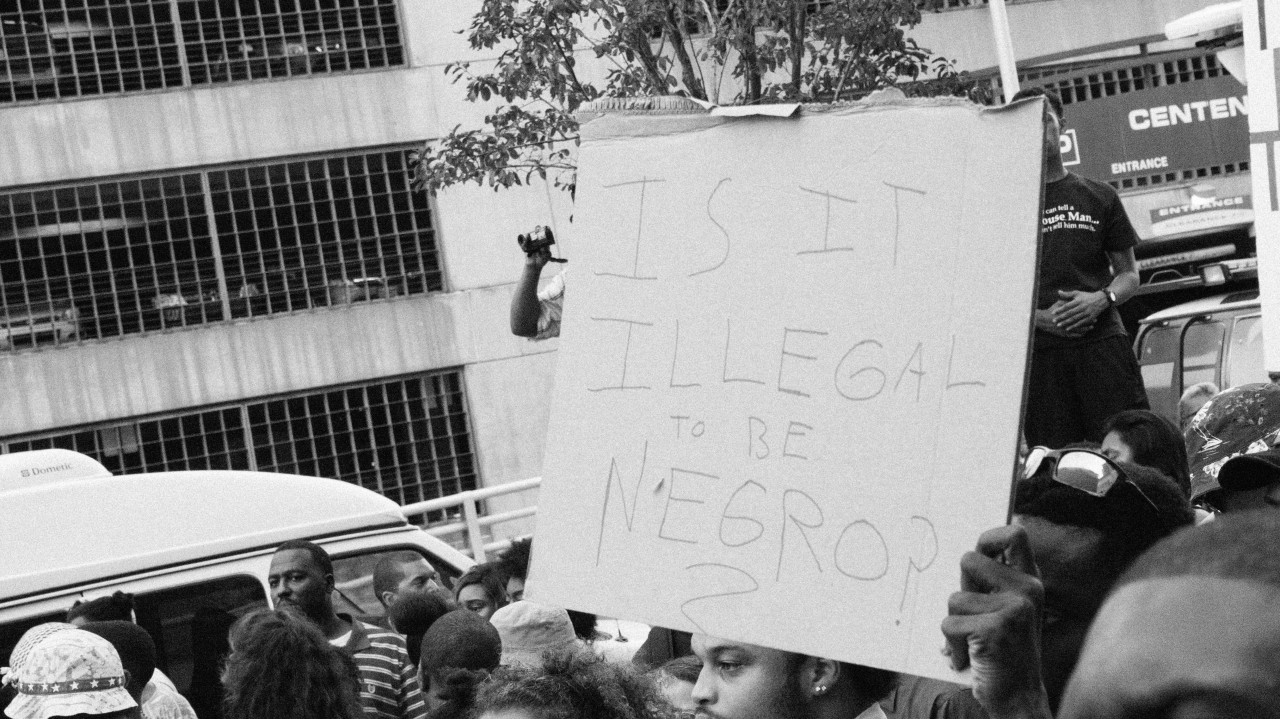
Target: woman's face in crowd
(474,599)
(1115,448)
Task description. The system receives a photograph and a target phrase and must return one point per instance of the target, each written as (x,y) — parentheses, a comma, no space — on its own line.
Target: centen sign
(1190,125)
(1219,108)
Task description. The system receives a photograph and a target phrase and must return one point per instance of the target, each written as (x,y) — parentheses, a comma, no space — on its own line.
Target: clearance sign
(1174,127)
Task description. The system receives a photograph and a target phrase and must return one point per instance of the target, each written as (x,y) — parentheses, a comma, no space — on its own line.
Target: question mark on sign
(924,550)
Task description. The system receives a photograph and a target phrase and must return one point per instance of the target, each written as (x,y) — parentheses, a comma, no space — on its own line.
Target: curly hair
(574,685)
(281,666)
(514,561)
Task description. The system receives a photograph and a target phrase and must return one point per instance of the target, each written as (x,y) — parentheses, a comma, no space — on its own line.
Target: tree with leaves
(721,51)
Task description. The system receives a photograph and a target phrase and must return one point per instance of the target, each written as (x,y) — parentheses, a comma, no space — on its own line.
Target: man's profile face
(745,681)
(1073,589)
(1053,127)
(296,581)
(1181,648)
(415,576)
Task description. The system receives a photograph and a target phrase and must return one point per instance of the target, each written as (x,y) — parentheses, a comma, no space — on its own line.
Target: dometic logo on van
(37,471)
(1219,108)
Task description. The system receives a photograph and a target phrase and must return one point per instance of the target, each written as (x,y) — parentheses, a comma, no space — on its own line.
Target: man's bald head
(1189,630)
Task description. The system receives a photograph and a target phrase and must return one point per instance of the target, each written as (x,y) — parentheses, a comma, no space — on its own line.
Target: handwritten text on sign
(790,372)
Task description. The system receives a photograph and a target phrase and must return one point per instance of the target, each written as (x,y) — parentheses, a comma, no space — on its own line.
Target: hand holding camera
(537,244)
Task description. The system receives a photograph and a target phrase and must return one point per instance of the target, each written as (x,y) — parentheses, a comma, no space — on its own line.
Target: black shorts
(1073,390)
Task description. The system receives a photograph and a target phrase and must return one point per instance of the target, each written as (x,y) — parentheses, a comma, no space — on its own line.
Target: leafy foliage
(761,50)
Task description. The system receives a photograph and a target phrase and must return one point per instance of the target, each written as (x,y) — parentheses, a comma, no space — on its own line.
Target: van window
(353,579)
(1156,355)
(10,633)
(1245,362)
(1201,352)
(189,625)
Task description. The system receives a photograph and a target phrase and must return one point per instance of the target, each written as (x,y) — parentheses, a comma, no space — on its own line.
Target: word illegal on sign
(862,373)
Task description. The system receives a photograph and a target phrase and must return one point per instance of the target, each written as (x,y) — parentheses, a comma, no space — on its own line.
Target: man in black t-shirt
(1082,368)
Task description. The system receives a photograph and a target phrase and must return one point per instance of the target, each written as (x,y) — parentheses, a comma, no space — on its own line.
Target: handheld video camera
(538,240)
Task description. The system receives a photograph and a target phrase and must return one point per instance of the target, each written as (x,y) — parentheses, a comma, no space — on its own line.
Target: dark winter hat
(460,639)
(136,649)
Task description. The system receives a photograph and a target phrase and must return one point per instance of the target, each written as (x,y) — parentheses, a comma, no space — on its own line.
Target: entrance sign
(790,371)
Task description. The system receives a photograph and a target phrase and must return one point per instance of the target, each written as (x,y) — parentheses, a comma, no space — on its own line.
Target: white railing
(473,524)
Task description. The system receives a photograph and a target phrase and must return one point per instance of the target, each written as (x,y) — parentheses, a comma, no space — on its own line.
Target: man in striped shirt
(301,578)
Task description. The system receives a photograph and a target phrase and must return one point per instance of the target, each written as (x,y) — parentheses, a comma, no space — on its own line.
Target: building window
(260,39)
(322,232)
(56,49)
(407,439)
(104,259)
(68,48)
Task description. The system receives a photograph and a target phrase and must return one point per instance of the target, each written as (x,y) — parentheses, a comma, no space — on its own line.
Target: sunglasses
(1084,470)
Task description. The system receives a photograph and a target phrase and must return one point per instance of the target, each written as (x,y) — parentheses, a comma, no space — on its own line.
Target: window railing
(109,258)
(55,49)
(407,438)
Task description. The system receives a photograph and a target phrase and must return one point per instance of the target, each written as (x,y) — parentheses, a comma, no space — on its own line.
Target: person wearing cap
(137,650)
(1239,420)
(459,650)
(19,655)
(413,613)
(1030,590)
(301,578)
(1249,481)
(529,629)
(71,673)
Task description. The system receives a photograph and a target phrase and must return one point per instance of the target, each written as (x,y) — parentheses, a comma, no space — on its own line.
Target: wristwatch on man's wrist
(1111,296)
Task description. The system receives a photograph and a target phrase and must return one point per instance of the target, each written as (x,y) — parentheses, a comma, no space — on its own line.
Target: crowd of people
(1134,581)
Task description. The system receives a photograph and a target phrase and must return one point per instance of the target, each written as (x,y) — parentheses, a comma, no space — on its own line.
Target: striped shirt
(388,682)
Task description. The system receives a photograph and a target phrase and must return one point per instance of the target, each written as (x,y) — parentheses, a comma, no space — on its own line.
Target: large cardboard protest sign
(790,372)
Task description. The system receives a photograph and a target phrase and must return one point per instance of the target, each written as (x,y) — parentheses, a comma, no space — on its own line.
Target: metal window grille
(1229,168)
(322,232)
(88,261)
(212,439)
(407,438)
(258,39)
(1091,81)
(70,48)
(112,258)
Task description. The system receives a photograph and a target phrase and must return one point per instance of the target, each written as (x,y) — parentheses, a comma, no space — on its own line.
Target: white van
(192,547)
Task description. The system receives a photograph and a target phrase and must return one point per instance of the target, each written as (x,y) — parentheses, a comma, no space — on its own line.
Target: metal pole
(1004,48)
